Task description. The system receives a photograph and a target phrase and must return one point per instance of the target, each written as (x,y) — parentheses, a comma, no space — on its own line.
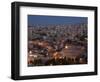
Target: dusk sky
(40,19)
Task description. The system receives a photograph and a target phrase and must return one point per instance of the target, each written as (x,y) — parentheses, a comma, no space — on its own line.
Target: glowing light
(80,58)
(66,47)
(30,52)
(31,55)
(55,54)
(35,56)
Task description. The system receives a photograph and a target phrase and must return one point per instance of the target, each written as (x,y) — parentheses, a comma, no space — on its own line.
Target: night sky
(40,19)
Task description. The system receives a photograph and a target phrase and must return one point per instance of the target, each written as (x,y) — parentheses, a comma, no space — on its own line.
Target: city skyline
(62,42)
